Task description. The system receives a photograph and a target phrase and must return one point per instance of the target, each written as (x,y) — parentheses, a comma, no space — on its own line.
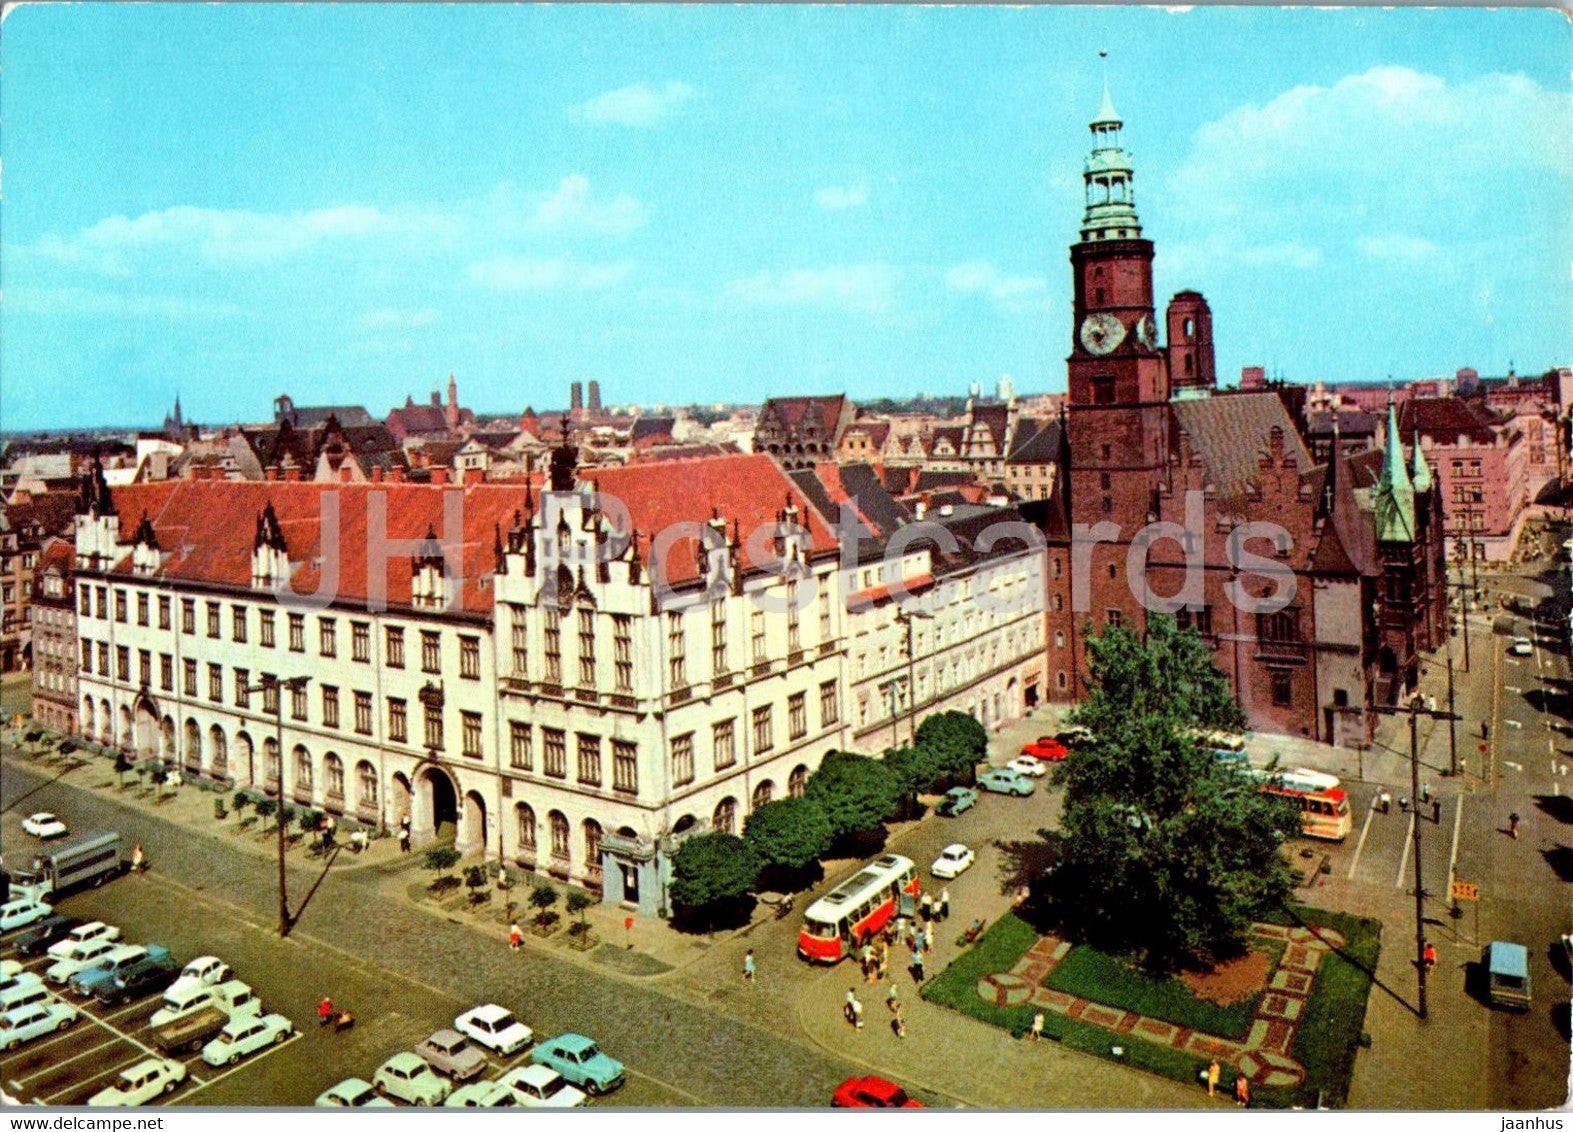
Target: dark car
(154,973)
(871,1092)
(36,939)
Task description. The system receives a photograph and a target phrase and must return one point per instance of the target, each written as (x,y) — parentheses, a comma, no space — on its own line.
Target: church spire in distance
(1109,177)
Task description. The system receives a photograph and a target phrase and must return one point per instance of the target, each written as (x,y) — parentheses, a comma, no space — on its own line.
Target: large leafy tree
(1167,852)
(712,874)
(787,836)
(914,770)
(957,743)
(856,793)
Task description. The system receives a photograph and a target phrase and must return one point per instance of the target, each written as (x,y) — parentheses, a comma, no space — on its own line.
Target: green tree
(1166,852)
(439,859)
(266,808)
(712,874)
(542,897)
(310,821)
(475,881)
(914,770)
(576,904)
(956,742)
(788,836)
(856,793)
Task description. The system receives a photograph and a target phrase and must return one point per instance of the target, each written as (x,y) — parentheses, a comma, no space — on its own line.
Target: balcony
(723,680)
(1281,650)
(795,657)
(761,668)
(514,683)
(620,699)
(587,695)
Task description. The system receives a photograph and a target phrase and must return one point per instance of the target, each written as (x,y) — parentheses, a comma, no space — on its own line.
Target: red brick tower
(1190,338)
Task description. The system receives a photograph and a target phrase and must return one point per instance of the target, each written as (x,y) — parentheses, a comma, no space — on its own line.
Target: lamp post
(906,618)
(294,684)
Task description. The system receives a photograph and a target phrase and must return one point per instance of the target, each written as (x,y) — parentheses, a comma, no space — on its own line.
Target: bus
(1324,804)
(856,909)
(89,859)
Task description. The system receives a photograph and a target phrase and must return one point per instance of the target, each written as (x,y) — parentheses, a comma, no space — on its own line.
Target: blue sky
(720,203)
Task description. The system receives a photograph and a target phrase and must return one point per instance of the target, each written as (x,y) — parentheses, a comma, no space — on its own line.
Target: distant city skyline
(697,205)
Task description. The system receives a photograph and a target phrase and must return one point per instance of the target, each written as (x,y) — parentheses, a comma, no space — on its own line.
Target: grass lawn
(1334,1018)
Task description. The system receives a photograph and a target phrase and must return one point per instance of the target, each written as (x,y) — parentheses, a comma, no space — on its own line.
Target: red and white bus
(1324,805)
(856,909)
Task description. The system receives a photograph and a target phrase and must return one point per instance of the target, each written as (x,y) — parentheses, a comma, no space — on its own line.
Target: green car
(1003,781)
(957,800)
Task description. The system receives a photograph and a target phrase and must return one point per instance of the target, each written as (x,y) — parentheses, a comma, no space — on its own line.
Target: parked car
(451,1054)
(1521,647)
(871,1092)
(406,1077)
(352,1093)
(1047,748)
(44,826)
(37,939)
(28,1022)
(957,800)
(578,1059)
(149,974)
(953,860)
(496,1028)
(233,999)
(19,913)
(204,971)
(246,1035)
(79,958)
(190,1031)
(106,966)
(1031,767)
(141,1083)
(482,1094)
(83,933)
(541,1086)
(1002,781)
(1507,974)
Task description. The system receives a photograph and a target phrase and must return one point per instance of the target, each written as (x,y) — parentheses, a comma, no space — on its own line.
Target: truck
(191,1032)
(192,1016)
(89,859)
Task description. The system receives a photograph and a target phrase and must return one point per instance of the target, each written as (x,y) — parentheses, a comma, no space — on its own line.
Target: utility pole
(277,686)
(1452,730)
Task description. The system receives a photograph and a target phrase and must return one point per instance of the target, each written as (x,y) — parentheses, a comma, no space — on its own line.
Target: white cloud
(980,277)
(859,287)
(69,301)
(1408,249)
(391,318)
(636,105)
(571,209)
(836,198)
(522,273)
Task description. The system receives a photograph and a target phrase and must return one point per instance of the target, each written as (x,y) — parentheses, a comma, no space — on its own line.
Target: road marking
(1511,688)
(1514,723)
(272,1048)
(74,1085)
(1452,860)
(53,1065)
(1360,847)
(1516,766)
(1409,836)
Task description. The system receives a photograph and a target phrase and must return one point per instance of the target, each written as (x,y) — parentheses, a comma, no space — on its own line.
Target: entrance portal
(440,803)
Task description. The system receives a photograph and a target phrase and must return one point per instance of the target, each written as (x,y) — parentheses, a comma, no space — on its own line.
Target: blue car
(957,800)
(1003,781)
(112,965)
(580,1062)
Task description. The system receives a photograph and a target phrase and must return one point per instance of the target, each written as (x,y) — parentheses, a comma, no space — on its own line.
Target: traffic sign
(1463,890)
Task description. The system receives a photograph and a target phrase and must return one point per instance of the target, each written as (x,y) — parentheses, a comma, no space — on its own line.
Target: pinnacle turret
(1109,177)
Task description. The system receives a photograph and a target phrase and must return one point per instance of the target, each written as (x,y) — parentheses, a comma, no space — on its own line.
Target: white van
(67,945)
(23,994)
(234,998)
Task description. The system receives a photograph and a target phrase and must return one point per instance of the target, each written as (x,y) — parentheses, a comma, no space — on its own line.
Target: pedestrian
(891,1001)
(324,1010)
(857,1013)
(897,1025)
(136,859)
(944,903)
(1212,1077)
(926,907)
(1036,1033)
(515,937)
(748,966)
(328,829)
(1512,826)
(846,1008)
(1428,955)
(1242,1091)
(404,838)
(928,938)
(1387,802)
(883,954)
(917,965)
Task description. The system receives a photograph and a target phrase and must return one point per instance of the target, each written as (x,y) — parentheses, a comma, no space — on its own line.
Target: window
(265,627)
(216,683)
(367,774)
(242,688)
(559,828)
(1283,688)
(1103,390)
(520,642)
(85,602)
(145,667)
(1113,617)
(587,648)
(431,651)
(120,606)
(237,617)
(718,637)
(625,767)
(623,652)
(763,738)
(590,759)
(470,733)
(519,745)
(723,744)
(297,632)
(756,619)
(363,713)
(1107,450)
(433,727)
(166,669)
(327,636)
(163,611)
(683,759)
(297,701)
(398,723)
(189,672)
(469,658)
(793,636)
(330,706)
(824,614)
(675,645)
(554,752)
(554,647)
(1104,481)
(829,704)
(103,603)
(142,609)
(395,647)
(526,828)
(213,617)
(333,777)
(797,715)
(1282,627)
(360,641)
(270,694)
(1199,619)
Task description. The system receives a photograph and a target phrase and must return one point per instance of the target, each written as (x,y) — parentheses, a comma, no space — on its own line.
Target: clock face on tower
(1146,332)
(1102,332)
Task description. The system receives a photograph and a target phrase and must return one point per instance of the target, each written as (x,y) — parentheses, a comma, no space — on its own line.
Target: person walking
(329,828)
(404,836)
(883,957)
(1512,826)
(748,966)
(926,907)
(1428,955)
(846,1009)
(515,937)
(1036,1033)
(1242,1091)
(136,859)
(917,964)
(324,1010)
(944,903)
(928,938)
(898,1025)
(857,1013)
(891,1001)
(1212,1078)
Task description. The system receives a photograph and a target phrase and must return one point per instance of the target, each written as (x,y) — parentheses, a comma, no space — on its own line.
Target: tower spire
(1109,176)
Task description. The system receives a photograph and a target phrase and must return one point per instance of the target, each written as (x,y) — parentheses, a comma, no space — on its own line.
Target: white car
(9,970)
(85,954)
(1032,768)
(246,1035)
(1521,647)
(140,1084)
(482,1094)
(65,947)
(541,1086)
(44,826)
(953,860)
(495,1028)
(352,1093)
(205,971)
(19,913)
(28,1022)
(406,1077)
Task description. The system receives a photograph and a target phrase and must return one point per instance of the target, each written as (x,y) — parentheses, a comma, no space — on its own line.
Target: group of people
(1242,1084)
(852,1010)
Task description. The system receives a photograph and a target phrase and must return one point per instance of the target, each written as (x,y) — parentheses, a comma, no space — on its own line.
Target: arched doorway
(127,736)
(472,831)
(193,746)
(166,739)
(218,752)
(439,805)
(106,724)
(87,717)
(400,808)
(146,729)
(244,754)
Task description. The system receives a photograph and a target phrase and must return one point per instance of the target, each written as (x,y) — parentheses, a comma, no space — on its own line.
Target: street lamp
(277,686)
(906,618)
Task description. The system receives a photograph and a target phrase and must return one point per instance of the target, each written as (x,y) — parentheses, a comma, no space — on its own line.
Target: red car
(871,1092)
(1050,750)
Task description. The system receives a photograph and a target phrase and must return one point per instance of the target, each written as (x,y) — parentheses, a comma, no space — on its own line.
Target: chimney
(376,473)
(398,475)
(291,475)
(270,474)
(439,476)
(346,473)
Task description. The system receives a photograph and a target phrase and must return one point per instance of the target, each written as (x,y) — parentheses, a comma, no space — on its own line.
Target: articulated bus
(1324,805)
(856,909)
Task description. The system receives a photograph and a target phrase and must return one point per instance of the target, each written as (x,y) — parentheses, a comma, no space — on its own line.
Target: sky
(704,203)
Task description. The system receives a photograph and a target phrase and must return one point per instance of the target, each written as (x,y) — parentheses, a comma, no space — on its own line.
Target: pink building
(1480,466)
